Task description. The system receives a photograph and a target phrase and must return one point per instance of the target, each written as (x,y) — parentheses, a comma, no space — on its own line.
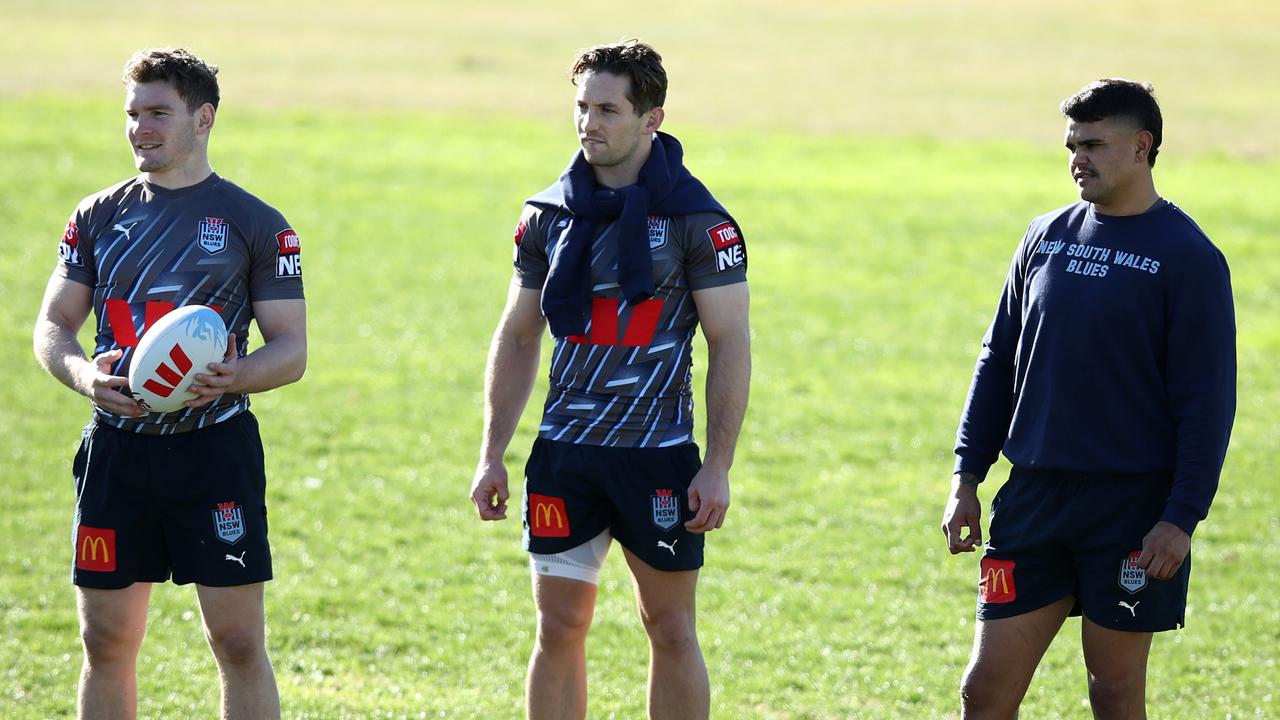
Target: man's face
(1106,157)
(163,133)
(610,131)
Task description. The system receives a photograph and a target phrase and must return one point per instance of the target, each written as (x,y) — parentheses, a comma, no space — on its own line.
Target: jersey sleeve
(715,252)
(275,257)
(530,253)
(75,251)
(988,409)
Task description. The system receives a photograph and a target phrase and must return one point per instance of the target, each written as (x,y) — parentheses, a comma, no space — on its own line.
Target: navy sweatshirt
(1112,352)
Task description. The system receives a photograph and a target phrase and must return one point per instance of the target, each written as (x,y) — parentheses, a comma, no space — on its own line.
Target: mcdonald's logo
(96,549)
(996,585)
(547,516)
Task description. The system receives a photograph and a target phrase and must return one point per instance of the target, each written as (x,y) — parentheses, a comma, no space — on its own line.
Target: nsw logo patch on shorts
(1132,577)
(228,522)
(666,509)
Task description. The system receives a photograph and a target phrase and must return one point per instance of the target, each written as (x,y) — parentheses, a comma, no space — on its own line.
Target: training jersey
(627,381)
(146,250)
(1112,351)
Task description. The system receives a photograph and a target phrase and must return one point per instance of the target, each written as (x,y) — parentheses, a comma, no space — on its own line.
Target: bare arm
(508,380)
(65,307)
(280,360)
(723,314)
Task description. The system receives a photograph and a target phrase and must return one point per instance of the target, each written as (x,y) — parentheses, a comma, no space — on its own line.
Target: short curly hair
(632,59)
(195,80)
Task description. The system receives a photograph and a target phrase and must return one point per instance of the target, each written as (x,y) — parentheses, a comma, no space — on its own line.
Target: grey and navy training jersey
(627,381)
(146,250)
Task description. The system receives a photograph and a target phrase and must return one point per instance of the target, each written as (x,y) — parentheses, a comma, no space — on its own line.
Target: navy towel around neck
(666,188)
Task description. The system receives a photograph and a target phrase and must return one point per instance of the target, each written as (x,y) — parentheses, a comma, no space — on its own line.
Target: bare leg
(112,625)
(1117,665)
(1005,655)
(235,625)
(678,684)
(557,684)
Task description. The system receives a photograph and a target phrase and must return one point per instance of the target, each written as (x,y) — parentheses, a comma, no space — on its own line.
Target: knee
(237,646)
(1120,697)
(106,644)
(981,693)
(670,630)
(558,626)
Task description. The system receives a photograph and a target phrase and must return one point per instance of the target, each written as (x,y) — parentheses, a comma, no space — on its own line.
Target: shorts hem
(993,611)
(1161,627)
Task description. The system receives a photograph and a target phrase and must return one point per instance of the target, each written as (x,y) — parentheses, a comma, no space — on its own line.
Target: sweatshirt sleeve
(984,423)
(1200,381)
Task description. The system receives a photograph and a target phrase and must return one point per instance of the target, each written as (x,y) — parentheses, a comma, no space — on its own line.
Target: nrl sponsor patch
(666,509)
(658,231)
(212,235)
(1132,577)
(228,522)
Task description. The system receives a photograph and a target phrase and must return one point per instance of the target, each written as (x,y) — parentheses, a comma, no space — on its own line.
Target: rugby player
(1108,380)
(176,495)
(623,256)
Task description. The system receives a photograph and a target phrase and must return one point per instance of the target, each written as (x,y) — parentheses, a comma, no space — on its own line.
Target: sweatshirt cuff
(1183,516)
(975,467)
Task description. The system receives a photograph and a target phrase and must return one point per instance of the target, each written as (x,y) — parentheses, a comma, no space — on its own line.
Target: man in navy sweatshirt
(1107,378)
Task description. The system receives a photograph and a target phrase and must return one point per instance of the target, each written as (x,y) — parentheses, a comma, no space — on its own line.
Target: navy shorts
(572,493)
(191,505)
(1057,534)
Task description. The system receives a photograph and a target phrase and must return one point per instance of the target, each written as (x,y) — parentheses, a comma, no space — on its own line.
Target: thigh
(113,618)
(662,593)
(118,539)
(237,611)
(1006,651)
(564,606)
(1114,657)
(649,491)
(215,510)
(563,505)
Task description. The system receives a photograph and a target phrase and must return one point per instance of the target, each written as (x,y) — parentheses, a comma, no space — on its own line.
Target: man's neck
(1141,198)
(179,178)
(628,173)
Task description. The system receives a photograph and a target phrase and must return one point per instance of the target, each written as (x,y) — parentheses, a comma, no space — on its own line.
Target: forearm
(59,352)
(280,361)
(728,387)
(509,377)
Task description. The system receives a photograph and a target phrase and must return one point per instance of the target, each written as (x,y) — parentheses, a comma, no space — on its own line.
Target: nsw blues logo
(666,509)
(657,231)
(212,235)
(1132,577)
(228,522)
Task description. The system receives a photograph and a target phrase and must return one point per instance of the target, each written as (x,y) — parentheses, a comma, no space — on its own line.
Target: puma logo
(671,547)
(126,230)
(1133,609)
(237,559)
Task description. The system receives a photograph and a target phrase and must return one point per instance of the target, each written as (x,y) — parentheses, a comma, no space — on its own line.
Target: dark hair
(1116,97)
(631,59)
(195,80)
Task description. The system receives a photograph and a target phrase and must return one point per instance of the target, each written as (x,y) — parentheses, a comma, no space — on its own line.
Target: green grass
(875,265)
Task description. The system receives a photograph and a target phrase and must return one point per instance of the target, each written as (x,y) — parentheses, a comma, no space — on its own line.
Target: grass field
(877,251)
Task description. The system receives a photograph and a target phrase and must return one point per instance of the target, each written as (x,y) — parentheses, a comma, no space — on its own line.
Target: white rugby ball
(172,352)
